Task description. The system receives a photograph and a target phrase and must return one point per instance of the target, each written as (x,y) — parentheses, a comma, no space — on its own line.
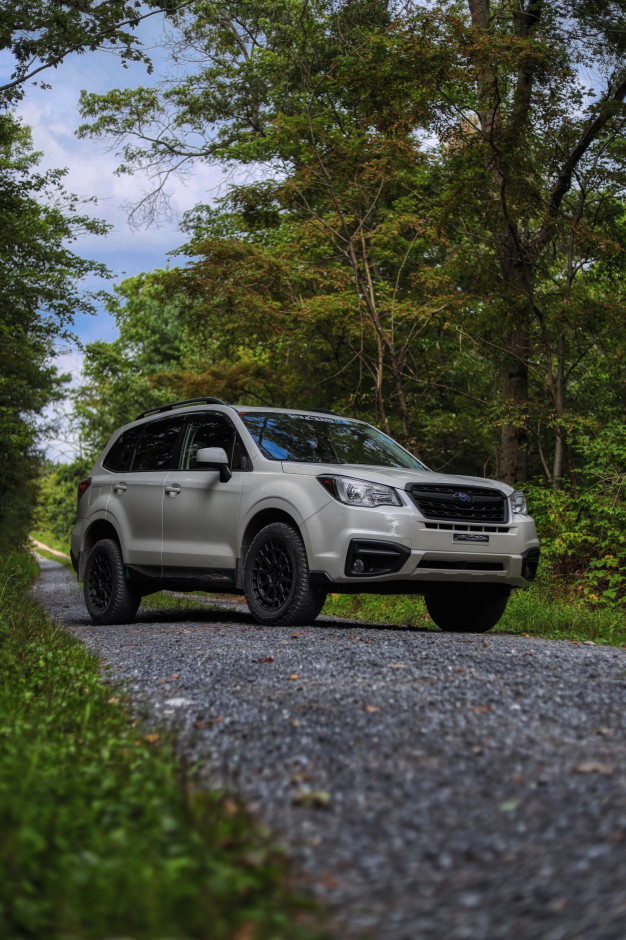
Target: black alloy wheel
(272,574)
(276,579)
(109,597)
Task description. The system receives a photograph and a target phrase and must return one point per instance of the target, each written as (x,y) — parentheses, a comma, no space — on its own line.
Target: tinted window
(120,457)
(212,430)
(157,446)
(325,439)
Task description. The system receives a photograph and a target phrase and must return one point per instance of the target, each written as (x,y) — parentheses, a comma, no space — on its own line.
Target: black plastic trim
(530,561)
(183,579)
(377,558)
(180,404)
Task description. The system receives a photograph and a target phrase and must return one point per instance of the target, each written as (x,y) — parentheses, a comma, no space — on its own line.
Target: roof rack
(314,411)
(180,404)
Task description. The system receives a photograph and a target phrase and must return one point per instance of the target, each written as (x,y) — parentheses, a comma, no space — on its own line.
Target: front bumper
(371,549)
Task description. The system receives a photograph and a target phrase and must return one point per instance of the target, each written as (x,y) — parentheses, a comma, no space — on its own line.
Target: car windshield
(320,438)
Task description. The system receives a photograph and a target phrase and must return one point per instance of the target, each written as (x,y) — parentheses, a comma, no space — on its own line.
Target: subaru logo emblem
(463,499)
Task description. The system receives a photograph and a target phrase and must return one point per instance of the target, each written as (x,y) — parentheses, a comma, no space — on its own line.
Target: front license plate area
(470,537)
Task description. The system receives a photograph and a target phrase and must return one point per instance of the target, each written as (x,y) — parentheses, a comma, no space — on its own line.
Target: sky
(53,118)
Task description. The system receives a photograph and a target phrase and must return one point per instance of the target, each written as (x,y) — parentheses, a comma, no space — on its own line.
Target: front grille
(459,503)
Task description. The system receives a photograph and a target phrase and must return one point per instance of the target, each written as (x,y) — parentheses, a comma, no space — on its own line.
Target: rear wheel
(109,597)
(468,608)
(276,580)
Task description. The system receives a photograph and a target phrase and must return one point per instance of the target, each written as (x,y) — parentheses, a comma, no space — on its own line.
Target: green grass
(103,833)
(541,610)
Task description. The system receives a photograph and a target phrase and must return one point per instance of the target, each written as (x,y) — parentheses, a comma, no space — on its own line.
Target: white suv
(285,506)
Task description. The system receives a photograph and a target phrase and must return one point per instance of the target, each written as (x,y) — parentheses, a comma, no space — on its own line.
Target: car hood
(392,476)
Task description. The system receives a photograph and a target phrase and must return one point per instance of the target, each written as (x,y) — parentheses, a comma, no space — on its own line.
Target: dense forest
(425,227)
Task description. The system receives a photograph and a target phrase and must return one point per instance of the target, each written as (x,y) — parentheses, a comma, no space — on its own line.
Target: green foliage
(583,528)
(129,375)
(102,832)
(56,505)
(40,292)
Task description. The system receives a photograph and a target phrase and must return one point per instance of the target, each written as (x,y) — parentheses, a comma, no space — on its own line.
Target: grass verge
(542,610)
(102,831)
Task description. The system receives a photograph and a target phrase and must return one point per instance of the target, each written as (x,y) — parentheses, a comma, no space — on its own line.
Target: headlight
(360,492)
(518,503)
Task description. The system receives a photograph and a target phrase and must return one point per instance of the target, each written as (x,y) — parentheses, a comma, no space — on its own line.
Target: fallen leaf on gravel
(152,738)
(113,700)
(266,659)
(200,724)
(295,676)
(588,643)
(603,731)
(509,805)
(594,767)
(301,633)
(481,708)
(311,798)
(370,708)
(176,675)
(397,665)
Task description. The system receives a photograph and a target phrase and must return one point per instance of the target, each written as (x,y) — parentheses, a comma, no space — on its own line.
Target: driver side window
(212,430)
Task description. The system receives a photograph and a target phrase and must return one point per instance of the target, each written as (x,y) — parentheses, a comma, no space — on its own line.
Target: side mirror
(214,458)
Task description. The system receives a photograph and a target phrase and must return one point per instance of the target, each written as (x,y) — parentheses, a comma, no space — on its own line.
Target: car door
(137,495)
(200,512)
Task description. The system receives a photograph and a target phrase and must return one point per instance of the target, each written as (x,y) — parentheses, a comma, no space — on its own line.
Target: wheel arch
(100,529)
(258,522)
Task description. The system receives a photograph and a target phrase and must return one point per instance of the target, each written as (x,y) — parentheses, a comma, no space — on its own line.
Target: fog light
(358,567)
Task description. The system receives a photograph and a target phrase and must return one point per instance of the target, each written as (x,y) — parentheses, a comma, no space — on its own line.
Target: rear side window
(158,445)
(120,456)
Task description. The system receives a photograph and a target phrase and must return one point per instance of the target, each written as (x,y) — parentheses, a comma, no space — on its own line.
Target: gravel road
(429,786)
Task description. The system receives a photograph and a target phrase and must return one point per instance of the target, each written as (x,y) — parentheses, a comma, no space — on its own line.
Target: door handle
(172,489)
(119,487)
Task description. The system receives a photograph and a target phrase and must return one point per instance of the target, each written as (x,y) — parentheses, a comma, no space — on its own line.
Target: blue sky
(53,117)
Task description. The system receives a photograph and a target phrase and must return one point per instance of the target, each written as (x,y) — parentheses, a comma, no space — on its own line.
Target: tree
(40,293)
(540,157)
(130,374)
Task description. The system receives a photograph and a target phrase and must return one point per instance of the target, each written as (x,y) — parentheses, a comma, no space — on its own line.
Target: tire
(468,608)
(276,578)
(109,597)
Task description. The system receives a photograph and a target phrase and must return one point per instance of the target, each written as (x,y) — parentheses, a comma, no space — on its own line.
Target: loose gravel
(427,785)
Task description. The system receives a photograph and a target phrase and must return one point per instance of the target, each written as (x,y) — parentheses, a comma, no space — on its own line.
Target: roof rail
(180,404)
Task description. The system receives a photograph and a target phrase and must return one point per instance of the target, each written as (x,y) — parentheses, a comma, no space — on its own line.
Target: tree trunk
(512,465)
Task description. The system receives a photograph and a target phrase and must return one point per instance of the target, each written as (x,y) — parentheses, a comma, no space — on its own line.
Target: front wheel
(109,597)
(276,579)
(468,608)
